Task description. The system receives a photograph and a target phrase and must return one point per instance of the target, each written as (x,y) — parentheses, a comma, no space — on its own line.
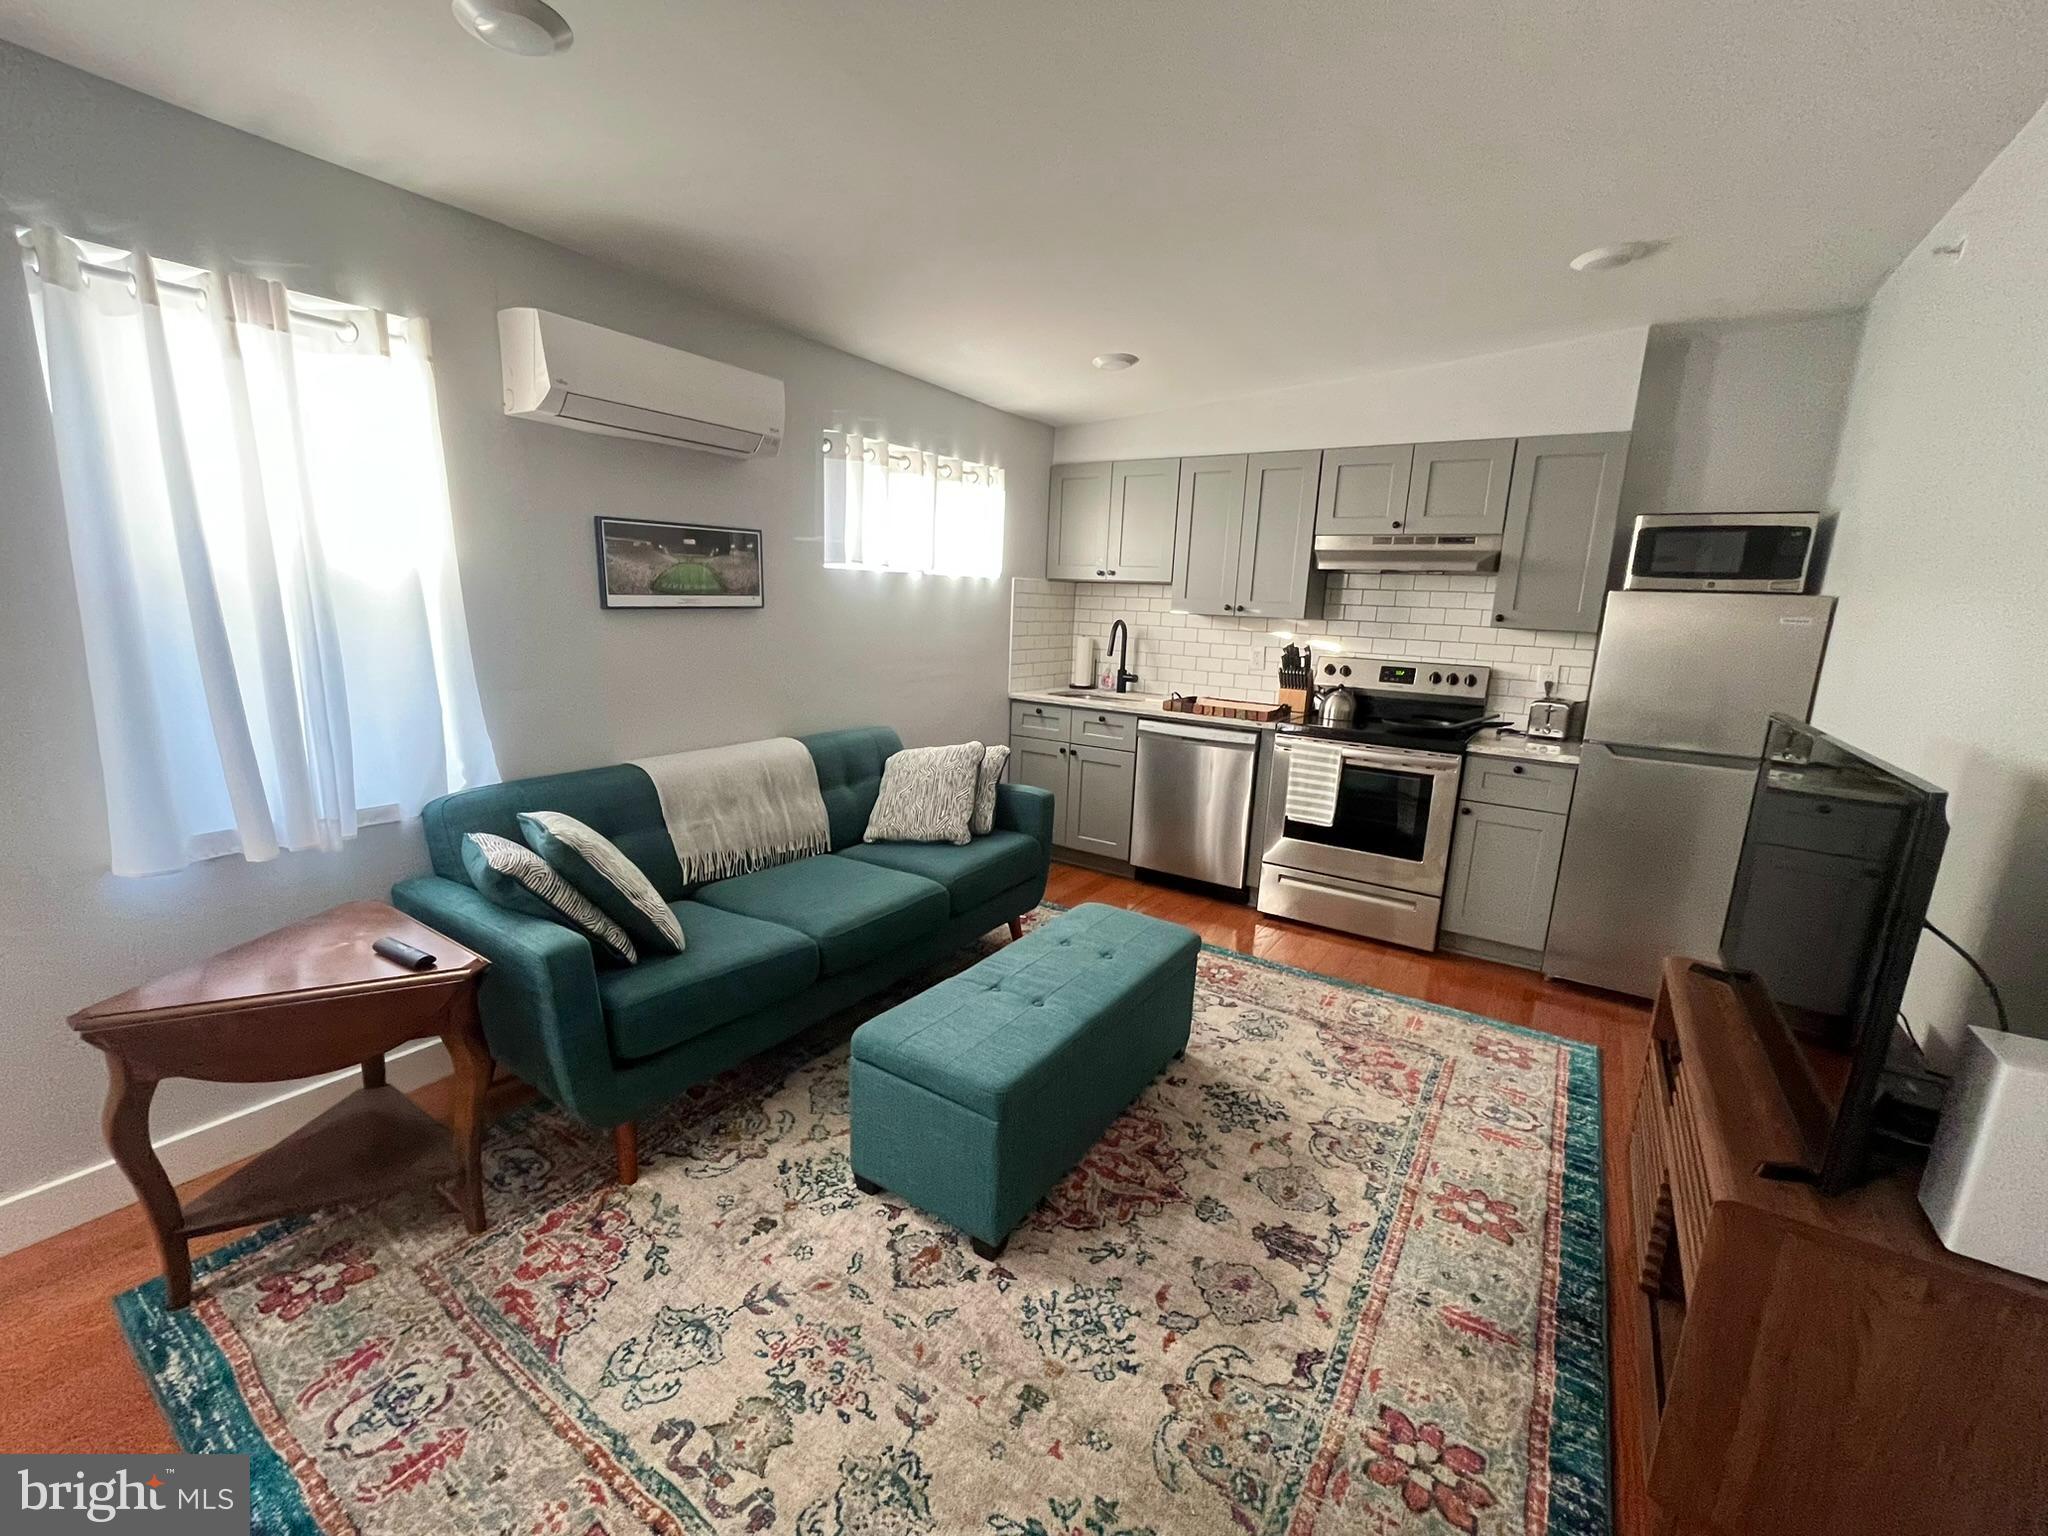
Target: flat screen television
(1838,862)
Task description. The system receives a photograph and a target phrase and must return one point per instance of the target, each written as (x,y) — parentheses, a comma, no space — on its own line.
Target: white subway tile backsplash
(1425,616)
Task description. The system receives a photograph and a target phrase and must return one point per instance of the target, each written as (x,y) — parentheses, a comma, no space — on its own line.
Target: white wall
(1587,384)
(564,684)
(1939,657)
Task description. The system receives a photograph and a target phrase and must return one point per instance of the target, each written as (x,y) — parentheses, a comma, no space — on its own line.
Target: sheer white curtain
(893,508)
(260,535)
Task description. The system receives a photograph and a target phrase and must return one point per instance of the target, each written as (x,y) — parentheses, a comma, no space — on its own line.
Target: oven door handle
(1440,766)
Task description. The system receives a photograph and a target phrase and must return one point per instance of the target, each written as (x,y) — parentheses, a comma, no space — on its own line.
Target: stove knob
(1471,679)
(1345,671)
(1437,677)
(1329,670)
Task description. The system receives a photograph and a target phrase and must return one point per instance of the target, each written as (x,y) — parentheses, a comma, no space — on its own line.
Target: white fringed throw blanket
(732,809)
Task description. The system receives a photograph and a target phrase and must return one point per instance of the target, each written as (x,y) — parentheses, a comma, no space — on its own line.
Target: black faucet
(1124,675)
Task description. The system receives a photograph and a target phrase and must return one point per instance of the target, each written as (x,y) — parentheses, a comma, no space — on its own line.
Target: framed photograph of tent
(677,565)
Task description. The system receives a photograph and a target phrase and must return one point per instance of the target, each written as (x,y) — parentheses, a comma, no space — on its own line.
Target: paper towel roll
(1083,675)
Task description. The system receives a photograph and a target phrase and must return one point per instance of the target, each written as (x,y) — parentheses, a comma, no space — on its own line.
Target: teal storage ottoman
(974,1098)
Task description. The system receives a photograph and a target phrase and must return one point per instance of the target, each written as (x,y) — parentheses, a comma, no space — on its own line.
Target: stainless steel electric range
(1378,867)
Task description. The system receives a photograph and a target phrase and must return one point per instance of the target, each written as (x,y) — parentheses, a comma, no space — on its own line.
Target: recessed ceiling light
(1603,257)
(530,28)
(1115,362)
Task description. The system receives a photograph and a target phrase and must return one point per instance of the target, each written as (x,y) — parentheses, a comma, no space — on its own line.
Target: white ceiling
(985,193)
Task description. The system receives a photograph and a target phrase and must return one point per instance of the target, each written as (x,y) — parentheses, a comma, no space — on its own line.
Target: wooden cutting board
(1227,709)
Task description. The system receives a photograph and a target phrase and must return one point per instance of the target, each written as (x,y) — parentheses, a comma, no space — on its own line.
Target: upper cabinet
(1458,490)
(1112,522)
(1211,516)
(1246,531)
(1278,537)
(1235,533)
(1559,537)
(1077,522)
(1364,491)
(1143,496)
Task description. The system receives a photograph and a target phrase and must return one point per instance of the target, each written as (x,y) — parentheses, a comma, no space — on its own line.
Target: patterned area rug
(1339,1270)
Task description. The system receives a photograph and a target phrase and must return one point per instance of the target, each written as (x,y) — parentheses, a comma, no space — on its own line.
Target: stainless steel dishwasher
(1192,811)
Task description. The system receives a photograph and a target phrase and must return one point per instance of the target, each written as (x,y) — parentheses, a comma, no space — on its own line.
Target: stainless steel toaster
(1550,719)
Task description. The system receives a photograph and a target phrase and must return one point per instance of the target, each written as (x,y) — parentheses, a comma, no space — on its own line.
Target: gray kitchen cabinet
(1043,765)
(1209,521)
(1098,814)
(1105,728)
(1144,497)
(1112,522)
(1048,722)
(1364,491)
(1077,522)
(1276,540)
(1503,873)
(1459,490)
(1558,543)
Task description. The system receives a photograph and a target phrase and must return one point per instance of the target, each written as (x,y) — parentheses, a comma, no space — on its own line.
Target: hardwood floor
(67,1382)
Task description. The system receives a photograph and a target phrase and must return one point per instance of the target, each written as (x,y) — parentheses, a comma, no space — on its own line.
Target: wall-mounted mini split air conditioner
(579,375)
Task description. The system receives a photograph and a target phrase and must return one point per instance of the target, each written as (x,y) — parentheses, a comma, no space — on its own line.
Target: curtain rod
(347,329)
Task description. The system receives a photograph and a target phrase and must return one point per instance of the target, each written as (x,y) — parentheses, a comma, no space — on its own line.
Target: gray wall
(1740,416)
(1939,656)
(564,684)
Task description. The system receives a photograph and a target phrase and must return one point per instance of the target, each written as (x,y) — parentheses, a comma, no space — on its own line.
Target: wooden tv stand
(1810,1364)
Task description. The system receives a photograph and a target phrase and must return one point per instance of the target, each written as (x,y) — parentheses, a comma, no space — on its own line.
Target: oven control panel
(1380,674)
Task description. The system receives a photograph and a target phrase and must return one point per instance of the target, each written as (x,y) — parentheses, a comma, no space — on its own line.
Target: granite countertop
(1150,705)
(1501,743)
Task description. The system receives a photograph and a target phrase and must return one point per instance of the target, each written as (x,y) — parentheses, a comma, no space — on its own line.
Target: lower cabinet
(1091,792)
(1043,765)
(1099,784)
(1503,869)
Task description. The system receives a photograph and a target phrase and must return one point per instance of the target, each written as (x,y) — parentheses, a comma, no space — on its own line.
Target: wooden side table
(307,999)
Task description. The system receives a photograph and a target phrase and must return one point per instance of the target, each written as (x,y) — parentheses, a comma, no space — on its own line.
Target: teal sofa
(766,953)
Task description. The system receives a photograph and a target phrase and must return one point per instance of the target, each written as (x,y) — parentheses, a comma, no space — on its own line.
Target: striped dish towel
(1313,769)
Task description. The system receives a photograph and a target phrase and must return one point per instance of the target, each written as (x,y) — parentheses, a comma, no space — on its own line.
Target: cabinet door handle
(1464,810)
(1397,523)
(1500,618)
(1102,573)
(1520,769)
(1112,573)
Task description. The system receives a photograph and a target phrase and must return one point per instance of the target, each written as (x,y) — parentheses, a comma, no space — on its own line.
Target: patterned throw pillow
(520,880)
(985,789)
(927,795)
(592,862)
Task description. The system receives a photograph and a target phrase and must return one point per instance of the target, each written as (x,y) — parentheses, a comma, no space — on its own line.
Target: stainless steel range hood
(1352,552)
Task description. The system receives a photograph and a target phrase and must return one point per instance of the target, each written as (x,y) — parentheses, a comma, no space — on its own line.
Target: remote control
(401,953)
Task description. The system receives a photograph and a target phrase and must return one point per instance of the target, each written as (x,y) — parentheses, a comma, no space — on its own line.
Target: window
(891,508)
(260,537)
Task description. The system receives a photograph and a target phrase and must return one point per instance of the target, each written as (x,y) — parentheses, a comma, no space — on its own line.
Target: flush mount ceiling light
(1114,362)
(530,28)
(1603,258)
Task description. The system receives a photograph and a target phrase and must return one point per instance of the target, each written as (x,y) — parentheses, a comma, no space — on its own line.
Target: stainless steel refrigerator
(1682,685)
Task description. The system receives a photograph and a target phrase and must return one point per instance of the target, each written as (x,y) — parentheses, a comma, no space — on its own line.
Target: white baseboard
(61,1203)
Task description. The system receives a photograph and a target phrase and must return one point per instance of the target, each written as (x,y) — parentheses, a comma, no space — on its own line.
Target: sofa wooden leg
(1016,928)
(626,1143)
(866,1186)
(988,1252)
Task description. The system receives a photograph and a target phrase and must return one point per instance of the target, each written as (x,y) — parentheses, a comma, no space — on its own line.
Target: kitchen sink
(1112,698)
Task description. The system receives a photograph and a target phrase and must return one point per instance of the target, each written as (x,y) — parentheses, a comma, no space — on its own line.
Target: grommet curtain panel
(260,536)
(892,508)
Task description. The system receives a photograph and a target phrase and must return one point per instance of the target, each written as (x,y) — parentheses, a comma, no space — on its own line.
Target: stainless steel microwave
(1722,552)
